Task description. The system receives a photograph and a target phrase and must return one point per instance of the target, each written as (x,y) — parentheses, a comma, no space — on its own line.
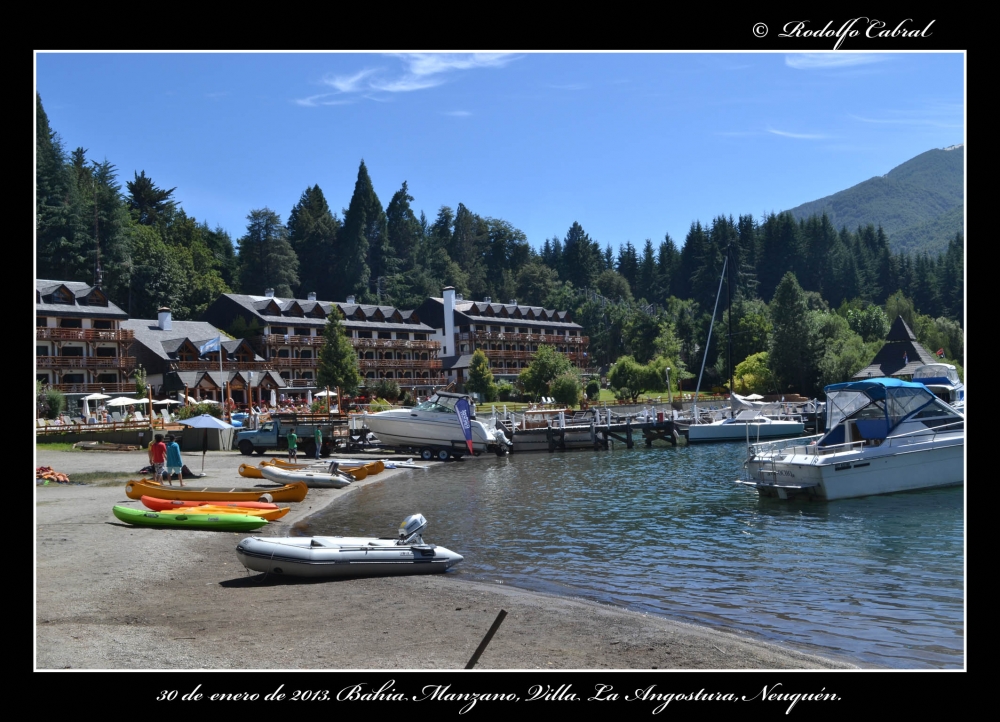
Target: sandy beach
(115,597)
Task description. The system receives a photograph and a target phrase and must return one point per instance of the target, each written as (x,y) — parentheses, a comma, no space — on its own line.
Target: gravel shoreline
(114,597)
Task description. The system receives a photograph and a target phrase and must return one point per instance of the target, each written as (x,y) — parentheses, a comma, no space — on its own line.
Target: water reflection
(665,531)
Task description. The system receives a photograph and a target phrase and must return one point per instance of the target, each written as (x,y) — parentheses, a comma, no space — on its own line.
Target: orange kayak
(295,491)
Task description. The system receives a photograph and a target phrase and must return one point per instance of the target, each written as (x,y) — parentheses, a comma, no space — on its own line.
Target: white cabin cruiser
(338,556)
(884,435)
(433,428)
(749,425)
(942,379)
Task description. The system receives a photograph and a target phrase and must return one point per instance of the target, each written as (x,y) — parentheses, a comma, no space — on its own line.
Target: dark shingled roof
(257,305)
(46,304)
(900,356)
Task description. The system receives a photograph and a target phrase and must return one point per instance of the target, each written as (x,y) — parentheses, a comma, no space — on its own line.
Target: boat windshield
(444,404)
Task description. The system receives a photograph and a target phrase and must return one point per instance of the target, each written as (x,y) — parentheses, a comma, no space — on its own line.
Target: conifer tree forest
(810,297)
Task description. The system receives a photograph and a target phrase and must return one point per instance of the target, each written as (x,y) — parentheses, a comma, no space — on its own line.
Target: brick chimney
(269,292)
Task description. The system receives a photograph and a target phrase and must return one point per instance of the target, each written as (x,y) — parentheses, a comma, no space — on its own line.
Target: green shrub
(186,412)
(593,389)
(566,388)
(387,389)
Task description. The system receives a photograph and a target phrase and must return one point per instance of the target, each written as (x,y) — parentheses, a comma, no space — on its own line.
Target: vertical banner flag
(462,409)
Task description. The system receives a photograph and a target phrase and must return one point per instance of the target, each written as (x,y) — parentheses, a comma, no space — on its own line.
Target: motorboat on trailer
(337,556)
(883,435)
(434,429)
(943,381)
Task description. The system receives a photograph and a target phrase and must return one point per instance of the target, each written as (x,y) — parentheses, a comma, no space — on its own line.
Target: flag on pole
(210,346)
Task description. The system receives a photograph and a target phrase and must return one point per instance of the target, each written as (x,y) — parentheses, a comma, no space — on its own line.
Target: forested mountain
(919,205)
(651,301)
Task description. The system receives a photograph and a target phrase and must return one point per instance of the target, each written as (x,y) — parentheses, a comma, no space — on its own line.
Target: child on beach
(318,435)
(158,457)
(174,463)
(292,444)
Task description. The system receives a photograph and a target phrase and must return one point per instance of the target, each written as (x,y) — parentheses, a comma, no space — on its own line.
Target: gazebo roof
(900,356)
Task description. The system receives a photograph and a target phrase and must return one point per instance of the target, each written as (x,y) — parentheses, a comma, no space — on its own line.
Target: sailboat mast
(729,300)
(704,356)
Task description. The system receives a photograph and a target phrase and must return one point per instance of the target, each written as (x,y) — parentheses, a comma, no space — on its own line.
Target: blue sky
(630,145)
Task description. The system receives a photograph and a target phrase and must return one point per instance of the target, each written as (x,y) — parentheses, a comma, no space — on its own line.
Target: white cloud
(420,71)
(810,61)
(800,136)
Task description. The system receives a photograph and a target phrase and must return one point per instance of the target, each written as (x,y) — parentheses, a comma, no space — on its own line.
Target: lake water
(665,531)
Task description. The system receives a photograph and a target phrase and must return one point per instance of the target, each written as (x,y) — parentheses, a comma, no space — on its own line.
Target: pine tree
(147,204)
(338,361)
(789,353)
(59,253)
(312,233)
(266,257)
(362,240)
(405,232)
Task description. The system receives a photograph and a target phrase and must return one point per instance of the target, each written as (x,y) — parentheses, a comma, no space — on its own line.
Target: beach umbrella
(96,397)
(205,422)
(86,409)
(274,399)
(309,397)
(165,402)
(326,393)
(121,401)
(753,397)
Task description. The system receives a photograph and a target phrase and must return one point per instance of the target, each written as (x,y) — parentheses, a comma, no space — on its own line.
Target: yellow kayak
(269,514)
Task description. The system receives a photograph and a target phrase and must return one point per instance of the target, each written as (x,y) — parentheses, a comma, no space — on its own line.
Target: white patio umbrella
(753,397)
(96,397)
(206,422)
(86,409)
(121,401)
(165,402)
(309,397)
(274,398)
(326,393)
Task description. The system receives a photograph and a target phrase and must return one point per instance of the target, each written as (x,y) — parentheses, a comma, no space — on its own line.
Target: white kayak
(337,556)
(312,479)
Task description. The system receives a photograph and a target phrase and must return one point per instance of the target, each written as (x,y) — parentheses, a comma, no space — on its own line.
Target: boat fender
(266,497)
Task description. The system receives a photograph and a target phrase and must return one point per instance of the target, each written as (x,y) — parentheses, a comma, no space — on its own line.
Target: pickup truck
(273,434)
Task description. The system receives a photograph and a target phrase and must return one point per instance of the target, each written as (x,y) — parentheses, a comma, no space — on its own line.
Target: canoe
(250,472)
(356,472)
(155,504)
(372,467)
(216,522)
(145,487)
(311,479)
(269,514)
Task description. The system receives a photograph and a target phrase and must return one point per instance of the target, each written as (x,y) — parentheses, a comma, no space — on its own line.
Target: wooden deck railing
(81,334)
(85,362)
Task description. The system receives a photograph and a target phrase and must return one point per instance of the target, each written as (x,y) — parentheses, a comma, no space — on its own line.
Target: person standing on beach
(158,457)
(293,440)
(174,463)
(318,435)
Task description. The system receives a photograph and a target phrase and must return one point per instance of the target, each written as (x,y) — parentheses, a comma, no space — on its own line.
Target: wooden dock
(594,435)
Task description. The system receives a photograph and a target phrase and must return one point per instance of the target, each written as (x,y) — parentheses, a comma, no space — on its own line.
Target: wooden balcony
(499,355)
(85,362)
(293,363)
(275,339)
(398,344)
(226,365)
(104,387)
(434,363)
(82,334)
(480,337)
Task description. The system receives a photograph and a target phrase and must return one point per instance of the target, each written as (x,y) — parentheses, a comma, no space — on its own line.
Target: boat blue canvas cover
(899,400)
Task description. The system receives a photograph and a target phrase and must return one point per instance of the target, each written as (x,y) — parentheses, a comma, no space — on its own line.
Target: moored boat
(334,556)
(213,522)
(750,425)
(884,435)
(943,381)
(144,487)
(312,479)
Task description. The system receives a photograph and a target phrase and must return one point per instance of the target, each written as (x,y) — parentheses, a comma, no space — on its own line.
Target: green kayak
(220,522)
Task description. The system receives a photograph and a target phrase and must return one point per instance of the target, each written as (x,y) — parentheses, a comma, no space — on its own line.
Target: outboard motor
(410,529)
